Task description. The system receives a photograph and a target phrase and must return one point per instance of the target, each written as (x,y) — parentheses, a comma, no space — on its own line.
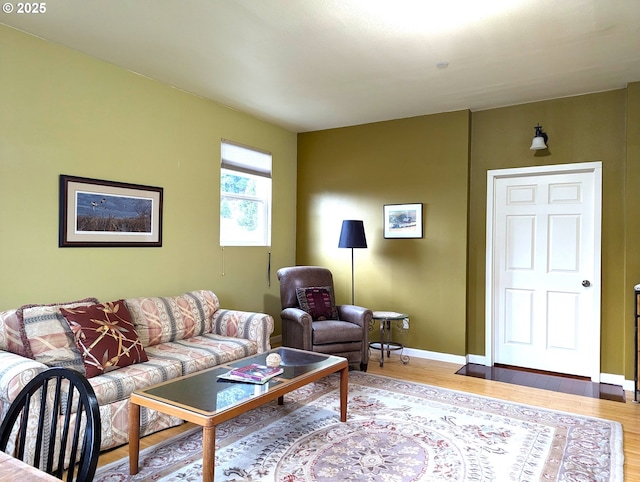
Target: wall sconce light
(539,140)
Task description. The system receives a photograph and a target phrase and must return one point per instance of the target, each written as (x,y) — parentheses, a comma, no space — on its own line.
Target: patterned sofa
(171,337)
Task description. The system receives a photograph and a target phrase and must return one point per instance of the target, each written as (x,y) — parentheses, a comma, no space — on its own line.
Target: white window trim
(259,165)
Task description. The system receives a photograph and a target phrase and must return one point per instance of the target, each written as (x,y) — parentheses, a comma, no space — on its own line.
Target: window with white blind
(245,196)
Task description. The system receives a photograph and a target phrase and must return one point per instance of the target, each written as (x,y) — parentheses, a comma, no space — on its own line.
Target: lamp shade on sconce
(539,140)
(538,144)
(352,234)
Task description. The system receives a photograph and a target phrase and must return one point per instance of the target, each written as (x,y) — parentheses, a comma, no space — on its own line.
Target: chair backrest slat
(41,421)
(78,424)
(22,431)
(64,437)
(53,423)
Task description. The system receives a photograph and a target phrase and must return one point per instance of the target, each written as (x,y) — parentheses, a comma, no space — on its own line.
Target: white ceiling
(316,64)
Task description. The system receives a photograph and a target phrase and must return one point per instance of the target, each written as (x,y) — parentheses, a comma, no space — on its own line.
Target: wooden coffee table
(204,399)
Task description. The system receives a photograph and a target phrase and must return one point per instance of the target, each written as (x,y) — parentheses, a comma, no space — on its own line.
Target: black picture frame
(402,221)
(99,213)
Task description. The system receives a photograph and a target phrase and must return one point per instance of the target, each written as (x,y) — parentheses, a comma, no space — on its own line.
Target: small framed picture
(402,220)
(107,213)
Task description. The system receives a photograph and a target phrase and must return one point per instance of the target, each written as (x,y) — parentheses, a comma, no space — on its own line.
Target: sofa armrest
(355,314)
(15,372)
(257,327)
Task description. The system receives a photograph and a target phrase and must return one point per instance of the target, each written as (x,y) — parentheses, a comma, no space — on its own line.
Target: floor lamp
(352,236)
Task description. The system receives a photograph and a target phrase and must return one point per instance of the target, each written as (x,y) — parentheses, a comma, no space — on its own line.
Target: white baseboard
(276,340)
(477,359)
(627,385)
(434,355)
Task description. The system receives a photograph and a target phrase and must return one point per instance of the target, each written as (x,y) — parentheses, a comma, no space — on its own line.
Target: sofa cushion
(50,338)
(318,301)
(167,361)
(335,331)
(165,319)
(105,336)
(201,352)
(121,383)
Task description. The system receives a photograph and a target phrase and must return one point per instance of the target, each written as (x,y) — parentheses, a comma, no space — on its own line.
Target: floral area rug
(395,431)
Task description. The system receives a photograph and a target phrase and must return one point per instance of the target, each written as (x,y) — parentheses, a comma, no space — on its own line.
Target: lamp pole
(352,279)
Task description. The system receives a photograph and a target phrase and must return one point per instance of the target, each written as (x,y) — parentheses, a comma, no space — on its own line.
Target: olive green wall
(632,221)
(350,173)
(440,280)
(66,113)
(581,129)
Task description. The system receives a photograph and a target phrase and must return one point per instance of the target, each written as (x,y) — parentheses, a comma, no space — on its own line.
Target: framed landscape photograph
(107,213)
(402,220)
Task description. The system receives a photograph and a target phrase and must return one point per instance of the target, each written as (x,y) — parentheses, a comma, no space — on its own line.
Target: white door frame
(492,175)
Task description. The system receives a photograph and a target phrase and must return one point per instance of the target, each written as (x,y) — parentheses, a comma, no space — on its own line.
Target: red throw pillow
(318,301)
(105,336)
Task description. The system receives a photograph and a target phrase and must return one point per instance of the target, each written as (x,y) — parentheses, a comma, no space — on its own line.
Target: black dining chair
(63,406)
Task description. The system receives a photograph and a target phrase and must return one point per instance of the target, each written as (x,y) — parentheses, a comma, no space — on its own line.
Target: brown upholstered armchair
(336,330)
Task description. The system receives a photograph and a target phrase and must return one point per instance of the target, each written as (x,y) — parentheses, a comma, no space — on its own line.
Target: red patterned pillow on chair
(105,336)
(318,301)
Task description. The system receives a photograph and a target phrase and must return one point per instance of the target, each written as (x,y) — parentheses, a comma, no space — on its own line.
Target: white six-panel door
(544,271)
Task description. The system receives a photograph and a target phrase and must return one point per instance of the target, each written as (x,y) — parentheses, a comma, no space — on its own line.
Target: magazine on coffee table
(253,373)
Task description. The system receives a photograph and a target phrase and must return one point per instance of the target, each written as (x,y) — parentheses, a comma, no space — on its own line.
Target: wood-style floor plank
(443,375)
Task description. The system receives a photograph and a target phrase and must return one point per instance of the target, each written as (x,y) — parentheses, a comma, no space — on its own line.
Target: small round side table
(385,344)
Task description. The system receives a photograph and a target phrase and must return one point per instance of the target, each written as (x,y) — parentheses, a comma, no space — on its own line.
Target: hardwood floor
(443,375)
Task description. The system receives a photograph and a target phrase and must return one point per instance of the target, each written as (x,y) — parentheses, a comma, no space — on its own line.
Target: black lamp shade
(352,234)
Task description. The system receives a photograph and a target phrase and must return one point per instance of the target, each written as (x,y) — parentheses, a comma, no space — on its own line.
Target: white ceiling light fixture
(539,140)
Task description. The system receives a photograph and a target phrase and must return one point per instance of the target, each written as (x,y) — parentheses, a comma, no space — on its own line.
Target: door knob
(586,283)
